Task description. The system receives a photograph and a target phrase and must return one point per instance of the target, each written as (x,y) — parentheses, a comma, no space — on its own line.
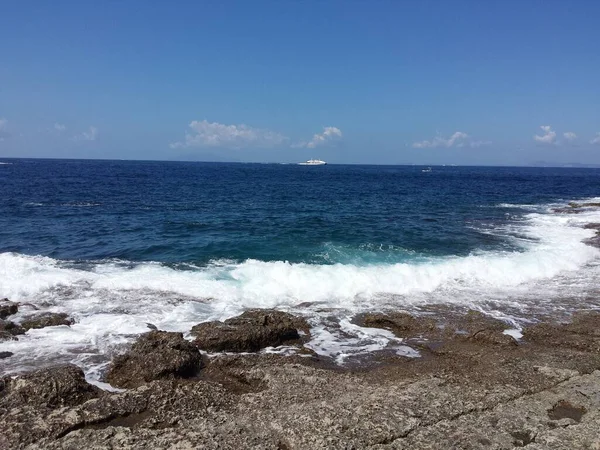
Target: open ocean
(117,244)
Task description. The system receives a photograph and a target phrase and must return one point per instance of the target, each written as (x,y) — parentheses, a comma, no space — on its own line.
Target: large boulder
(54,388)
(249,332)
(155,355)
(9,330)
(46,320)
(7,308)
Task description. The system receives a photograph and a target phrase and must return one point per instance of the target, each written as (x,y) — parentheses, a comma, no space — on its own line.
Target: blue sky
(386,82)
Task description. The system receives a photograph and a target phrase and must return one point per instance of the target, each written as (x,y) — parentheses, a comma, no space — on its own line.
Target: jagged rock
(53,388)
(249,332)
(473,398)
(4,355)
(8,330)
(8,308)
(46,320)
(592,226)
(155,355)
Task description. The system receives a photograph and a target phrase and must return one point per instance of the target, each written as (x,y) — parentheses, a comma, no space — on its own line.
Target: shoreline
(473,387)
(476,383)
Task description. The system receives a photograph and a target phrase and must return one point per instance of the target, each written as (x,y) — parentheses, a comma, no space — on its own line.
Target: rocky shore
(474,386)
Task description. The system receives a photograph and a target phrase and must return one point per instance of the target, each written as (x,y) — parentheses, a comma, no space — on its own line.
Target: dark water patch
(565,410)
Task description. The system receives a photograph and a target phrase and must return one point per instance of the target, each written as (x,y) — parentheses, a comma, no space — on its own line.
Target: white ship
(313,162)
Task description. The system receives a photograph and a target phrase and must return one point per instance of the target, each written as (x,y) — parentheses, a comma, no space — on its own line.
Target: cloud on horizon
(329,134)
(214,134)
(549,136)
(596,140)
(205,134)
(89,135)
(59,127)
(459,139)
(570,136)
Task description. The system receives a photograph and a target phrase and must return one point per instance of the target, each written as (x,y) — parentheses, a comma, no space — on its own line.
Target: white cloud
(458,139)
(549,136)
(596,140)
(570,136)
(59,127)
(329,134)
(207,134)
(89,135)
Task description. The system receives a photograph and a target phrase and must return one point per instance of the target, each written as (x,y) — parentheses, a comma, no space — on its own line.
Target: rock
(472,398)
(155,355)
(582,334)
(46,320)
(7,308)
(53,388)
(493,337)
(249,332)
(592,226)
(402,324)
(4,355)
(8,330)
(571,210)
(473,325)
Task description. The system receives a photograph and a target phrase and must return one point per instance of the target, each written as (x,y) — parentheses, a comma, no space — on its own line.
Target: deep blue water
(176,212)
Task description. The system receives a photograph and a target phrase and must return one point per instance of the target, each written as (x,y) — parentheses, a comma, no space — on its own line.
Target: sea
(118,245)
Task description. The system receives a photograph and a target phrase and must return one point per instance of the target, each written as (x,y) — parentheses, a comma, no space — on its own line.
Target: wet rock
(582,334)
(493,337)
(592,226)
(473,397)
(472,325)
(401,324)
(565,410)
(7,308)
(249,332)
(4,355)
(46,320)
(53,388)
(155,355)
(9,330)
(575,208)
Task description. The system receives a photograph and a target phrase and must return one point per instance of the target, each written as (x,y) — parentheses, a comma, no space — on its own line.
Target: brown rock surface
(52,388)
(472,395)
(249,332)
(46,320)
(155,355)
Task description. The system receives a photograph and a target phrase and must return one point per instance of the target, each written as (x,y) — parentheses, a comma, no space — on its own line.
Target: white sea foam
(112,301)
